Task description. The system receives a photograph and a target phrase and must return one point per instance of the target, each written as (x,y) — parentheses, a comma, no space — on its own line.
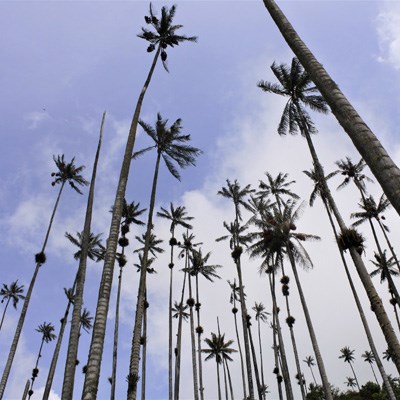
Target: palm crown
(347,354)
(68,172)
(95,250)
(352,171)
(46,329)
(170,144)
(12,292)
(296,84)
(164,33)
(177,216)
(384,266)
(218,348)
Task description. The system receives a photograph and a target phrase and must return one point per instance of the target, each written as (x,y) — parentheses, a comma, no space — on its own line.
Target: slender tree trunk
(318,357)
(116,329)
(4,312)
(229,380)
(219,382)
(135,350)
(386,383)
(225,380)
(144,350)
(253,353)
(72,353)
(25,394)
(284,367)
(201,388)
(193,343)
(261,356)
(373,371)
(24,310)
(354,374)
(36,367)
(170,383)
(389,243)
(395,312)
(240,351)
(276,353)
(179,336)
(312,373)
(96,348)
(381,165)
(54,360)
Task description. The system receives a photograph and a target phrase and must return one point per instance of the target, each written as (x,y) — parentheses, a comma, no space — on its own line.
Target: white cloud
(388,28)
(35,118)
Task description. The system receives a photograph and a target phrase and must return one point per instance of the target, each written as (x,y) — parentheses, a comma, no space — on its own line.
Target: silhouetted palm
(309,360)
(353,172)
(220,350)
(11,293)
(46,330)
(164,36)
(368,357)
(319,185)
(348,356)
(66,173)
(351,382)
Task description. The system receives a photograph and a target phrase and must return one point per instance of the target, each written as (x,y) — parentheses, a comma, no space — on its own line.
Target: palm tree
(351,382)
(72,352)
(14,293)
(177,216)
(66,173)
(164,36)
(276,240)
(368,357)
(309,360)
(295,83)
(320,190)
(172,147)
(348,356)
(353,172)
(199,266)
(238,195)
(381,165)
(220,350)
(46,329)
(261,316)
(130,215)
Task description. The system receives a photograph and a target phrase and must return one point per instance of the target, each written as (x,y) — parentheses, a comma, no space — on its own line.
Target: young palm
(368,357)
(261,316)
(13,293)
(67,172)
(348,356)
(319,190)
(171,146)
(220,350)
(239,195)
(200,266)
(178,217)
(382,166)
(295,83)
(130,215)
(46,330)
(309,360)
(163,35)
(73,343)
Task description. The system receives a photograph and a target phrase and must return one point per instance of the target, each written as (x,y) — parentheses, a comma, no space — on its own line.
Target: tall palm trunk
(36,368)
(54,360)
(386,383)
(354,374)
(394,303)
(389,244)
(276,353)
(96,348)
(72,353)
(27,299)
(135,350)
(318,357)
(179,335)
(240,350)
(193,343)
(371,150)
(201,388)
(4,312)
(261,356)
(219,382)
(225,380)
(253,353)
(281,345)
(229,380)
(171,268)
(116,331)
(26,389)
(144,349)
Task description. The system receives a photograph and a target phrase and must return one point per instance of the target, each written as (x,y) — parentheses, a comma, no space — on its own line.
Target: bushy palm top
(384,266)
(199,265)
(235,292)
(95,250)
(177,216)
(131,213)
(46,329)
(347,354)
(261,314)
(153,244)
(296,85)
(170,144)
(368,357)
(68,172)
(86,320)
(319,187)
(218,348)
(353,172)
(309,360)
(163,33)
(12,292)
(179,309)
(277,187)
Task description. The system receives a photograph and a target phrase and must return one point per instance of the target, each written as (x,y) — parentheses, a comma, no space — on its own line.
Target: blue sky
(64,63)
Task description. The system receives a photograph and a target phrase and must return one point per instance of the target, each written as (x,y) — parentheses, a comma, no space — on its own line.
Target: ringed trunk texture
(24,310)
(370,148)
(99,327)
(72,353)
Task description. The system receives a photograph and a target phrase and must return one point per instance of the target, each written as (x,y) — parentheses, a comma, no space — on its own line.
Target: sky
(65,62)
